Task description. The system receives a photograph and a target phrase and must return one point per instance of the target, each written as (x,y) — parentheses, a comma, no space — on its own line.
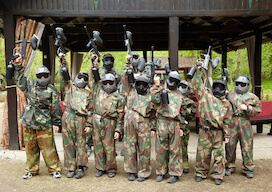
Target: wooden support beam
(258,64)
(173,42)
(46,53)
(9,30)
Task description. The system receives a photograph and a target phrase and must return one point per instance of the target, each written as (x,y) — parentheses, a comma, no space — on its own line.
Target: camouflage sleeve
(153,119)
(21,81)
(56,112)
(226,121)
(89,121)
(197,85)
(120,115)
(190,109)
(254,107)
(156,94)
(182,115)
(126,87)
(92,84)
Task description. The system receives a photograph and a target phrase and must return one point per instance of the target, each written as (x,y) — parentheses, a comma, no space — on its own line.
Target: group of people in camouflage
(112,105)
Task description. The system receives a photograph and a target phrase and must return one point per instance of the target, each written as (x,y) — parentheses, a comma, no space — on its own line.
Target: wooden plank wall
(140,5)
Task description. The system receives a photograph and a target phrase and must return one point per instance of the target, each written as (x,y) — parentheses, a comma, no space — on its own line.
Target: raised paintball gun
(153,64)
(128,39)
(60,40)
(33,43)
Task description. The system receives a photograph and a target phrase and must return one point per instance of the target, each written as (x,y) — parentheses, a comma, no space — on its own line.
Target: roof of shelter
(201,23)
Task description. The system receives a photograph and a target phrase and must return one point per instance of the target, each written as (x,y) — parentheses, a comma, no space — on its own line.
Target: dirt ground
(12,171)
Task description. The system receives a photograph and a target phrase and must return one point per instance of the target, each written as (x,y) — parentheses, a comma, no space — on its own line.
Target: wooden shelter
(167,25)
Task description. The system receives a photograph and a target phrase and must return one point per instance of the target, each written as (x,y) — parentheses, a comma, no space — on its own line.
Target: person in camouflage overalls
(190,111)
(40,116)
(108,112)
(108,67)
(214,114)
(244,105)
(137,127)
(170,121)
(76,120)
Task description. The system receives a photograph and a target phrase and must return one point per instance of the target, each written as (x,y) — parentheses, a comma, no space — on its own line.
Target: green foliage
(2,56)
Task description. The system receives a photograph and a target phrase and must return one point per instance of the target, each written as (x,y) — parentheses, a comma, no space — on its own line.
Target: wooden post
(173,42)
(145,55)
(9,31)
(258,71)
(46,53)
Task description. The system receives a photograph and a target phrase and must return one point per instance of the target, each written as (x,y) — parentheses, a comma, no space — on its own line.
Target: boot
(173,179)
(131,177)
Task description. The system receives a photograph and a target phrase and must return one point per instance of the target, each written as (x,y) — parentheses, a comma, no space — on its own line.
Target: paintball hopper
(60,36)
(167,68)
(158,63)
(225,74)
(129,38)
(215,62)
(141,64)
(34,42)
(96,38)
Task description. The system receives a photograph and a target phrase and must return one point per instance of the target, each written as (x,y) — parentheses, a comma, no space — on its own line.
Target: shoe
(100,173)
(80,173)
(122,152)
(56,175)
(141,179)
(131,177)
(27,175)
(185,170)
(89,150)
(249,175)
(173,179)
(70,174)
(228,172)
(159,178)
(218,181)
(111,174)
(198,178)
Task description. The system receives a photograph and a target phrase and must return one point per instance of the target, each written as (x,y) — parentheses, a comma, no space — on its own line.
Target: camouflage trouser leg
(184,145)
(103,140)
(168,151)
(137,138)
(240,130)
(89,138)
(208,142)
(74,141)
(40,140)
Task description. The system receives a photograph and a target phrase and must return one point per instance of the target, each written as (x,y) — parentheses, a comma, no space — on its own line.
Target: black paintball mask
(219,88)
(173,80)
(141,85)
(108,61)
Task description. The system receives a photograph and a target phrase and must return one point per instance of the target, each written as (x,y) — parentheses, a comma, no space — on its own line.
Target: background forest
(237,63)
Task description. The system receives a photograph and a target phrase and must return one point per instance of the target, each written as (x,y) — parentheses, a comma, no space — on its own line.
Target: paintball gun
(128,39)
(153,64)
(92,43)
(33,43)
(60,40)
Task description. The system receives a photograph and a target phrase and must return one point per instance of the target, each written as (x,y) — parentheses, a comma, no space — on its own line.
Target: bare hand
(116,135)
(61,54)
(153,134)
(156,80)
(56,129)
(226,140)
(128,57)
(243,107)
(181,132)
(87,129)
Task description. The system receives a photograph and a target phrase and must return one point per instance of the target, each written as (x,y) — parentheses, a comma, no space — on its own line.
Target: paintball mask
(141,85)
(185,88)
(43,76)
(108,61)
(108,83)
(219,88)
(81,79)
(173,80)
(135,59)
(242,84)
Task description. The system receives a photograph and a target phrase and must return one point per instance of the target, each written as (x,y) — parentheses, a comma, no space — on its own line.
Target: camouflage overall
(168,141)
(42,112)
(108,114)
(241,130)
(215,114)
(137,131)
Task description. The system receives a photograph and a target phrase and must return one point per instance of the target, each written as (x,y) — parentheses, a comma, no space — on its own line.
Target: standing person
(214,114)
(244,105)
(76,120)
(170,121)
(108,112)
(41,115)
(137,128)
(190,111)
